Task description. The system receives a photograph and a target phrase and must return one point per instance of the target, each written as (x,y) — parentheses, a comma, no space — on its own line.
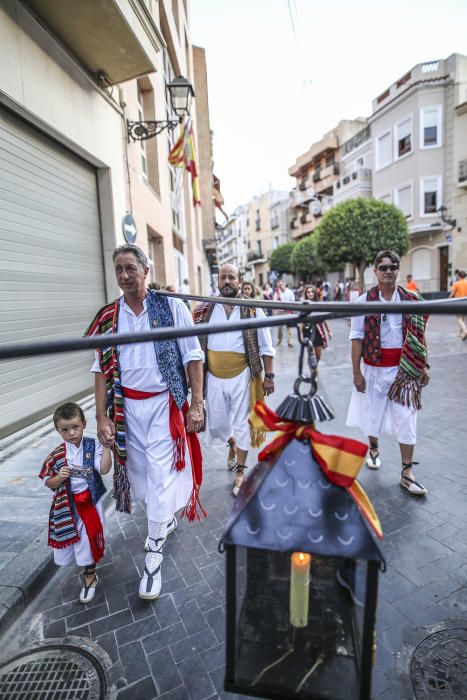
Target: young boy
(73,471)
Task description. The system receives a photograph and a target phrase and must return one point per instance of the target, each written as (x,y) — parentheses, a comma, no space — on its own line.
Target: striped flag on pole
(183,155)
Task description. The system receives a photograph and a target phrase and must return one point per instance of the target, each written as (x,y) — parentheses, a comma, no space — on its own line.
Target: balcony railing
(463,171)
(357,139)
(253,255)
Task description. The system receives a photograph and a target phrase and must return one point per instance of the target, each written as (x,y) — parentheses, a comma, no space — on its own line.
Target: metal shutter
(52,277)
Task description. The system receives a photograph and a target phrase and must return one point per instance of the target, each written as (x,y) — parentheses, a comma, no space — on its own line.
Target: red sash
(138,395)
(390,357)
(180,440)
(92,523)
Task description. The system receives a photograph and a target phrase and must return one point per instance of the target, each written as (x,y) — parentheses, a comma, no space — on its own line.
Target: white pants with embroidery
(375,414)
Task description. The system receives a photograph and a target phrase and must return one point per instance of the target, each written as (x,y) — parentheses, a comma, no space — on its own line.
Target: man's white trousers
(228,408)
(375,414)
(150,458)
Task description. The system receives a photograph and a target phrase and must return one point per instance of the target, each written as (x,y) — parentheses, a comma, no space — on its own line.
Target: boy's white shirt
(74,455)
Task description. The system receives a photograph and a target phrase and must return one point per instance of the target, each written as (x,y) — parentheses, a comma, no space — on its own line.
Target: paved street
(173,648)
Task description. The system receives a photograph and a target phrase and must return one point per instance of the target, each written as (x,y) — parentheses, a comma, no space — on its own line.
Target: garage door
(52,278)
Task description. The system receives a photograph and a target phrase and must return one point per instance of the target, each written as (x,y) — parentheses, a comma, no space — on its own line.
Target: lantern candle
(299,588)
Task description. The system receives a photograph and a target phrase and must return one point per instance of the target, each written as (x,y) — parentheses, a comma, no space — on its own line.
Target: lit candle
(299,588)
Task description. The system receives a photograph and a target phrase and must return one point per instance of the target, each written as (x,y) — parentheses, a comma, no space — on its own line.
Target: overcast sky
(283,72)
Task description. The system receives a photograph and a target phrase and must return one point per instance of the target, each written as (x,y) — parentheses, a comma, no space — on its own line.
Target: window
(259,249)
(421,264)
(403,138)
(430,127)
(403,200)
(430,195)
(383,150)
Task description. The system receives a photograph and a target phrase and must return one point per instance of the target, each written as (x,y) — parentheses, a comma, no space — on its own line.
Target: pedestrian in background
(459,289)
(248,290)
(318,337)
(411,284)
(267,294)
(284,294)
(338,293)
(73,472)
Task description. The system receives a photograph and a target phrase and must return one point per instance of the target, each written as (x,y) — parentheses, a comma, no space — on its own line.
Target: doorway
(443,268)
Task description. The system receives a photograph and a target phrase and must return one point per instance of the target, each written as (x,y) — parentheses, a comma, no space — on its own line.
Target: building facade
(316,171)
(232,240)
(267,228)
(70,77)
(419,143)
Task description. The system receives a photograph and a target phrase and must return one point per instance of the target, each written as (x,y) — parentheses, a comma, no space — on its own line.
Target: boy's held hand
(65,472)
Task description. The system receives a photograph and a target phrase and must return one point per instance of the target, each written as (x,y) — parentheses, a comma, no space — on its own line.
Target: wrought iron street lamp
(181,94)
(442,211)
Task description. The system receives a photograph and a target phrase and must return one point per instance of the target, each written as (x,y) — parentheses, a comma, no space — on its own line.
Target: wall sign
(129,228)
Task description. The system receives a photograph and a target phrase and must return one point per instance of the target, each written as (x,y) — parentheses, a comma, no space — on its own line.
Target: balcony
(356,140)
(254,256)
(117,37)
(357,183)
(209,244)
(462,179)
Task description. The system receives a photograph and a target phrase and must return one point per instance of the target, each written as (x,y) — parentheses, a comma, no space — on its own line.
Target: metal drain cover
(439,666)
(53,672)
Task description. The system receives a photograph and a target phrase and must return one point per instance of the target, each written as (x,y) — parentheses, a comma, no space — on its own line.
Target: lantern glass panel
(321,659)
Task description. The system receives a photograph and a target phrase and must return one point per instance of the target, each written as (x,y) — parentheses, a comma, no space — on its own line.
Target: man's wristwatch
(269,375)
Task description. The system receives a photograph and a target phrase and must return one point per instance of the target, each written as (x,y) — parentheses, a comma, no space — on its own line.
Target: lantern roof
(289,504)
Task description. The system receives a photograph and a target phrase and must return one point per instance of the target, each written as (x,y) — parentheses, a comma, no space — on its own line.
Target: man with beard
(233,379)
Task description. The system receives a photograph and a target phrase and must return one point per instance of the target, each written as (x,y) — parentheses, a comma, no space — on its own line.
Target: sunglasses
(385,268)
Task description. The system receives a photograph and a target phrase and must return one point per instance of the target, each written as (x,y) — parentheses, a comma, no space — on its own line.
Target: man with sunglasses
(386,397)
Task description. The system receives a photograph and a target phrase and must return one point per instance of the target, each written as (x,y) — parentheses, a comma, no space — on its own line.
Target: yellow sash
(226,365)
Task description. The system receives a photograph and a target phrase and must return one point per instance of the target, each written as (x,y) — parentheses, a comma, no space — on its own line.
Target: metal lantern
(302,557)
(181,94)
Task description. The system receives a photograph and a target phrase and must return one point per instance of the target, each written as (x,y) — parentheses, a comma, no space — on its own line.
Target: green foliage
(280,258)
(357,229)
(305,259)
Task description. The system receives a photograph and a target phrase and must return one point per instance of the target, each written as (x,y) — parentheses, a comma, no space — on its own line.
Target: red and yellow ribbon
(339,458)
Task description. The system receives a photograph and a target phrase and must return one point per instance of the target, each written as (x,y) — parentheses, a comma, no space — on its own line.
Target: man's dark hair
(129,248)
(462,274)
(387,254)
(67,411)
(409,277)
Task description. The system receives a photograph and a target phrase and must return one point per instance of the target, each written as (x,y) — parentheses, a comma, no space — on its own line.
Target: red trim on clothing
(390,357)
(138,395)
(92,523)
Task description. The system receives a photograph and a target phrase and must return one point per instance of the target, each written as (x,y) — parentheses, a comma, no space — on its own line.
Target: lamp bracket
(143,130)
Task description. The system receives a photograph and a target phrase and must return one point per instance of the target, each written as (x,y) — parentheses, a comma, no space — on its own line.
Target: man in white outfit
(384,398)
(234,364)
(141,407)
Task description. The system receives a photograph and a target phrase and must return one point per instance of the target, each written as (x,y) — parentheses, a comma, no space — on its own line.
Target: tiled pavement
(173,648)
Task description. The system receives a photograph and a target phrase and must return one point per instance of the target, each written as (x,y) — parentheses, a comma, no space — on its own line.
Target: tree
(305,259)
(357,229)
(280,258)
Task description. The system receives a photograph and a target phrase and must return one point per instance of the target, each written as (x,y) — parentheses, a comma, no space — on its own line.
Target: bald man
(234,373)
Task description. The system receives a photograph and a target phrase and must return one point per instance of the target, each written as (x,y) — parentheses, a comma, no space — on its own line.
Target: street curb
(29,572)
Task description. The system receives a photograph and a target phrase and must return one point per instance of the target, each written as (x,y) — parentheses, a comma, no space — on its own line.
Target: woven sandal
(238,479)
(232,461)
(88,592)
(409,484)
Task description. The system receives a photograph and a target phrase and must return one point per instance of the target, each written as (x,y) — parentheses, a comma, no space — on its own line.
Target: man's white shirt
(138,363)
(233,341)
(390,329)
